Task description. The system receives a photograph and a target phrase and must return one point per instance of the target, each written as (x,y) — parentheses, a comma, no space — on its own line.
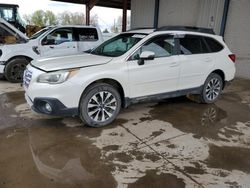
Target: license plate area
(27,78)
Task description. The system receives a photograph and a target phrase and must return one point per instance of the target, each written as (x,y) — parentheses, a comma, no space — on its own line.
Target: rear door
(59,42)
(195,61)
(156,76)
(87,38)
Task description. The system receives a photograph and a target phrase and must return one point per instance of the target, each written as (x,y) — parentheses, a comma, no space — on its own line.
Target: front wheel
(100,105)
(15,68)
(212,88)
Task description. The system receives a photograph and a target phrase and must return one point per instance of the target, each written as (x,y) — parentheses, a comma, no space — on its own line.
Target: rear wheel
(212,88)
(100,105)
(15,68)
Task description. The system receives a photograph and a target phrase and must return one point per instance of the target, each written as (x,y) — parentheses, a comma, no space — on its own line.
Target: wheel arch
(111,82)
(20,56)
(221,74)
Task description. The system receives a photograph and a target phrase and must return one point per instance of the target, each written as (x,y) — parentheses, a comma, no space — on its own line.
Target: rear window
(213,44)
(192,44)
(87,34)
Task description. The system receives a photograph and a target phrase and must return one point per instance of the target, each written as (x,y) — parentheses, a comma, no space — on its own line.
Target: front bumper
(57,107)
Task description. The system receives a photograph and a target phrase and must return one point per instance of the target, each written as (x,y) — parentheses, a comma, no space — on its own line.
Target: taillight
(232,57)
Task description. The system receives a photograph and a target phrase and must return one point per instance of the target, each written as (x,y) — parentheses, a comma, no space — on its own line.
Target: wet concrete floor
(174,143)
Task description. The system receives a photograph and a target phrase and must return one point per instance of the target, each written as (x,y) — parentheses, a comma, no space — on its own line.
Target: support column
(124,15)
(89,6)
(224,18)
(87,14)
(156,13)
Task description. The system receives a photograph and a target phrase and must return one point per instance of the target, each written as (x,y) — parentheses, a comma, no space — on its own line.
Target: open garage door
(237,34)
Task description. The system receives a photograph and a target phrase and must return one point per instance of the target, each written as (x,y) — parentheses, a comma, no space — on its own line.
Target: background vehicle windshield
(39,33)
(118,45)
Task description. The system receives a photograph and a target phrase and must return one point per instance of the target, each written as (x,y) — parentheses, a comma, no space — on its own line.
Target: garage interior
(174,143)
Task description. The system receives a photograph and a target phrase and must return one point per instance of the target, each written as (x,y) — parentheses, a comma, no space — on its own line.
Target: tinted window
(162,46)
(213,45)
(87,34)
(59,36)
(192,44)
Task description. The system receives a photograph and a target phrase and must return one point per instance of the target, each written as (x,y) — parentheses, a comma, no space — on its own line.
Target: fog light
(48,107)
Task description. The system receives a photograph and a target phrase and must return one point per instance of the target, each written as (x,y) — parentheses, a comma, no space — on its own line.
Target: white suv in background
(16,50)
(138,65)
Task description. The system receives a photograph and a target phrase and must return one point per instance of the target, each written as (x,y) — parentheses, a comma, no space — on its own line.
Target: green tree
(38,18)
(67,18)
(41,18)
(76,18)
(50,18)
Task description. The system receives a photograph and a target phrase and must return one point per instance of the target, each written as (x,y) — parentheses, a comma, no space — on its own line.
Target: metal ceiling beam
(103,3)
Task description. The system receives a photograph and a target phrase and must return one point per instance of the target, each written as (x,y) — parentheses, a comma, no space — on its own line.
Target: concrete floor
(174,143)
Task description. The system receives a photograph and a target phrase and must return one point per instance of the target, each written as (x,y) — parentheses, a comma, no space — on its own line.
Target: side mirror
(147,55)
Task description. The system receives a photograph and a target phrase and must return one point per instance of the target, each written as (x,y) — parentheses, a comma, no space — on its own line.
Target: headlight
(56,77)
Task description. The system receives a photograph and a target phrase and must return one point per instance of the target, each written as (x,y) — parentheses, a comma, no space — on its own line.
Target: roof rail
(187,28)
(140,28)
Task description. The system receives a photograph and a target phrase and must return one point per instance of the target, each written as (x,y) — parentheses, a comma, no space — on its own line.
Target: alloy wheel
(102,106)
(213,89)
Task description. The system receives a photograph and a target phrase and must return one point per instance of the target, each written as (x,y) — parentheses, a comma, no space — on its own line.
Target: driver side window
(162,46)
(59,36)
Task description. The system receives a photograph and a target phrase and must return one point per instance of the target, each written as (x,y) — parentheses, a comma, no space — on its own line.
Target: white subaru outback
(135,66)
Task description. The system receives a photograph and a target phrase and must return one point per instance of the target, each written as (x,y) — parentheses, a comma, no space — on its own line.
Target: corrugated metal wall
(203,13)
(142,13)
(178,12)
(210,14)
(237,34)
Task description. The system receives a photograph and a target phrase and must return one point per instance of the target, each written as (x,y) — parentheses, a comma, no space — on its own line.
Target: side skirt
(158,97)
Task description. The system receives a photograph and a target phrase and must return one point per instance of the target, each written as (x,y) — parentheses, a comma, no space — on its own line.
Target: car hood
(70,62)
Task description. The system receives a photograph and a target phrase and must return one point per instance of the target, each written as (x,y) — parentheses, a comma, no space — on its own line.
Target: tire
(14,70)
(212,89)
(99,105)
(2,77)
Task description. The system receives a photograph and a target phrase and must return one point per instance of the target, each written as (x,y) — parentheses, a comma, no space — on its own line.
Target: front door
(156,76)
(59,42)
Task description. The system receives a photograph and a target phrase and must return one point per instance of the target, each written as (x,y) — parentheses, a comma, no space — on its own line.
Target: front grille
(27,78)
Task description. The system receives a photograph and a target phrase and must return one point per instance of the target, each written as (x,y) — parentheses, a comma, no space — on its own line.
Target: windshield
(118,45)
(39,33)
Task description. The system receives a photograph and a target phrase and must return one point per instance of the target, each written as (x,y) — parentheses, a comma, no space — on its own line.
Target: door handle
(52,47)
(208,59)
(174,64)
